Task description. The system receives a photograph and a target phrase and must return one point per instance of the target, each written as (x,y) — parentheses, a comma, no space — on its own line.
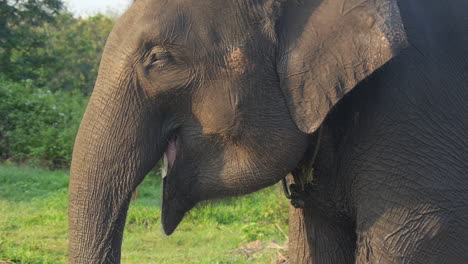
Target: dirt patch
(258,247)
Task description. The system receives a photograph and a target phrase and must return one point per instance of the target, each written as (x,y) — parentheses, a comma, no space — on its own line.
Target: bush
(38,126)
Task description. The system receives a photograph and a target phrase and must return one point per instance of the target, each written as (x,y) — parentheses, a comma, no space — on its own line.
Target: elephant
(363,101)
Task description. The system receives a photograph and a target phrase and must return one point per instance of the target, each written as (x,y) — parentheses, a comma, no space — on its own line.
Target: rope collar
(301,179)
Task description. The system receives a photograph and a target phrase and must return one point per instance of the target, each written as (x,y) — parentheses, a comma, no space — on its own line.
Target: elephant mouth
(174,201)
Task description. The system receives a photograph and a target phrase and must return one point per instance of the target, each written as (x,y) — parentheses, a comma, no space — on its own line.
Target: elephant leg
(319,239)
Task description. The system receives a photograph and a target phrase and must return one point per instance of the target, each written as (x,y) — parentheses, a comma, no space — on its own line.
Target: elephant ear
(326,47)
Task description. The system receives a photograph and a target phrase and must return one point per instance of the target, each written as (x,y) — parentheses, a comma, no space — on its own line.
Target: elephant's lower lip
(174,205)
(173,209)
(175,201)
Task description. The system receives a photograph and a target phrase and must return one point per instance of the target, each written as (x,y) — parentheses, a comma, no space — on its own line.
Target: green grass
(33,223)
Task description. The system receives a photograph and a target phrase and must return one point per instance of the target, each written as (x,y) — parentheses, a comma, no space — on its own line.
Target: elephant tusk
(165,166)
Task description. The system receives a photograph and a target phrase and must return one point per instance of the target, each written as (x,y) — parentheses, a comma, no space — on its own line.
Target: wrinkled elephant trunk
(115,148)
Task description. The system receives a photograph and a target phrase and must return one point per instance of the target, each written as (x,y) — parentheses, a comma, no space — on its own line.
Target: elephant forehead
(237,61)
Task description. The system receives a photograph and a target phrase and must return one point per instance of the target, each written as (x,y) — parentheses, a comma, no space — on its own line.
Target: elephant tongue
(171,152)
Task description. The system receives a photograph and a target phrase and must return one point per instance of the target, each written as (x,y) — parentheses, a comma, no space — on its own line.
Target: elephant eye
(158,56)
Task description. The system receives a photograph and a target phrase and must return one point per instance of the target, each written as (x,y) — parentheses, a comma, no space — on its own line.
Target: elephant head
(229,91)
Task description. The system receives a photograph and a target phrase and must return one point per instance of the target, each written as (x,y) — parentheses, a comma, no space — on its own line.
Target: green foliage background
(48,65)
(38,126)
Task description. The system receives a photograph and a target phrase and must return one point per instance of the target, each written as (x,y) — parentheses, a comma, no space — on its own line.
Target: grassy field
(33,224)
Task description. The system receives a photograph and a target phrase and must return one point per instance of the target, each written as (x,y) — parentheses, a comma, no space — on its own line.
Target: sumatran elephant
(364,101)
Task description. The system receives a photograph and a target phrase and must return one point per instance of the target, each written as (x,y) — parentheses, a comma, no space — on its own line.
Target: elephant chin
(173,210)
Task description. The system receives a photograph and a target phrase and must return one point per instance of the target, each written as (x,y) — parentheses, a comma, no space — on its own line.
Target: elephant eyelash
(157,55)
(153,58)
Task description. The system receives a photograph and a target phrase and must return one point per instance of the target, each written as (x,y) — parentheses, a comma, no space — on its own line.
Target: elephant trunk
(114,149)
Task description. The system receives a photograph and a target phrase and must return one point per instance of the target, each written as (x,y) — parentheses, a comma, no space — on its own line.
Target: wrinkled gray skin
(244,87)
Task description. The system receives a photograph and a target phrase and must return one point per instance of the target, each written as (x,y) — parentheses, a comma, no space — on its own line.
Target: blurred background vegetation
(48,65)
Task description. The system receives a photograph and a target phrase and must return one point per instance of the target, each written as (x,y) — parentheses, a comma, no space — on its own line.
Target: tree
(77,45)
(23,36)
(42,42)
